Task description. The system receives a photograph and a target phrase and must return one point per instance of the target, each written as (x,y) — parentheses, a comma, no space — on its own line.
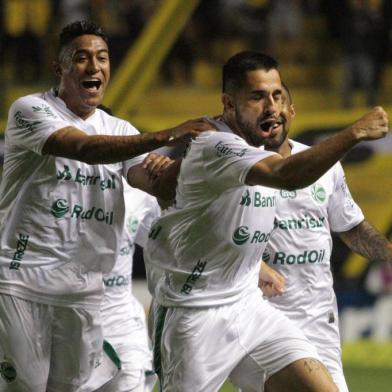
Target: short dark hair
(78,28)
(235,69)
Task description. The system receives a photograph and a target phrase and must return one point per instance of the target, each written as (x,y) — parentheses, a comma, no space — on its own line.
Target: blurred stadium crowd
(355,35)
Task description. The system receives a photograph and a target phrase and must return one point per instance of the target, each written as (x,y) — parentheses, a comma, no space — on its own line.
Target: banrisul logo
(257,199)
(59,208)
(241,235)
(245,199)
(288,194)
(318,193)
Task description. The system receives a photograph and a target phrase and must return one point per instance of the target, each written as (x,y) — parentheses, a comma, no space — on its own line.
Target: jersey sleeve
(150,211)
(343,212)
(129,130)
(31,120)
(228,158)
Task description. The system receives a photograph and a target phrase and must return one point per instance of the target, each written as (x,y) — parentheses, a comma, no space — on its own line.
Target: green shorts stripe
(160,321)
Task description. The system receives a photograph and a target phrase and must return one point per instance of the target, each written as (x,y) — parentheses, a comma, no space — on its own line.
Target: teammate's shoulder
(115,124)
(227,137)
(298,146)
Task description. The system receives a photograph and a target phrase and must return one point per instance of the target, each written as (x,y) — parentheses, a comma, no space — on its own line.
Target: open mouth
(92,84)
(270,125)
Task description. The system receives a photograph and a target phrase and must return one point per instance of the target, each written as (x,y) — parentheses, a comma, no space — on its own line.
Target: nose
(271,105)
(93,66)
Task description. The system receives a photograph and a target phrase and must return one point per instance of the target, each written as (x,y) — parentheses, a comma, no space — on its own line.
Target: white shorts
(198,349)
(132,346)
(46,348)
(136,372)
(323,331)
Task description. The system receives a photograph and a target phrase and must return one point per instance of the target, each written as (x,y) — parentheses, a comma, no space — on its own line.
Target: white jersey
(61,219)
(120,309)
(300,246)
(205,250)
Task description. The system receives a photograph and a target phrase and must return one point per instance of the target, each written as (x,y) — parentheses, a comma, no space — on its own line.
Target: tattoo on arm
(365,240)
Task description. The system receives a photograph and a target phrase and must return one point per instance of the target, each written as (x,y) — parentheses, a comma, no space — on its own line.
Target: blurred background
(335,56)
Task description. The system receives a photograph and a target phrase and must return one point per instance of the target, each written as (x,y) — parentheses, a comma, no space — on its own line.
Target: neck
(232,124)
(284,149)
(82,111)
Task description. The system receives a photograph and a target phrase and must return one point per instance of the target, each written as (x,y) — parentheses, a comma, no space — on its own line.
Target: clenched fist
(373,125)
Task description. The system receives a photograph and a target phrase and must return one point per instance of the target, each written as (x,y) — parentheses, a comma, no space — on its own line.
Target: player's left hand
(271,282)
(155,164)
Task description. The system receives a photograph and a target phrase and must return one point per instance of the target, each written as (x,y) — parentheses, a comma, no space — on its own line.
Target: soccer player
(300,248)
(204,251)
(123,317)
(61,214)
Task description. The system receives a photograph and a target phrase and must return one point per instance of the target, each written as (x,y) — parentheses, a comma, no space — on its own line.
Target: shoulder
(219,140)
(28,101)
(117,125)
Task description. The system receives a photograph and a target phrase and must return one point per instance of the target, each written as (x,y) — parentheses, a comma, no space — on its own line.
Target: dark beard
(248,131)
(274,144)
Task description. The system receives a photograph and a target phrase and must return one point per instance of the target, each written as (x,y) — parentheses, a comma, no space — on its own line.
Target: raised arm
(300,170)
(367,241)
(70,142)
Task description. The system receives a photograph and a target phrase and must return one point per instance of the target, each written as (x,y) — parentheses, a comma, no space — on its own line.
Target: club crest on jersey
(7,371)
(318,193)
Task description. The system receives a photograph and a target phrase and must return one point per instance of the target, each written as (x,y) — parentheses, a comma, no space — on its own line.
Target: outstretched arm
(70,142)
(300,170)
(367,241)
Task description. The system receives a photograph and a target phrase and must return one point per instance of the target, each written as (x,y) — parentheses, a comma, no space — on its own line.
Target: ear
(228,102)
(57,69)
(292,110)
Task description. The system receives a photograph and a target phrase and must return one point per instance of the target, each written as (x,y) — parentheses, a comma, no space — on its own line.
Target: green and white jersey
(205,250)
(300,245)
(61,219)
(120,309)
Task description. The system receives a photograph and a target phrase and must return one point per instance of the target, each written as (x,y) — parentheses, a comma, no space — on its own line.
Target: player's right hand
(189,130)
(373,125)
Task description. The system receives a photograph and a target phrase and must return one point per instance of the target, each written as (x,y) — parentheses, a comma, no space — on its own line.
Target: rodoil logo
(60,208)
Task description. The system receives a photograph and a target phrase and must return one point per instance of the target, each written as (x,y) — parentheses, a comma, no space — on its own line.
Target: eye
(278,96)
(80,59)
(257,97)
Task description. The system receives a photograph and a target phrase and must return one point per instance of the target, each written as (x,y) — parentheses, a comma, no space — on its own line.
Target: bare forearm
(110,149)
(71,142)
(303,169)
(101,149)
(365,240)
